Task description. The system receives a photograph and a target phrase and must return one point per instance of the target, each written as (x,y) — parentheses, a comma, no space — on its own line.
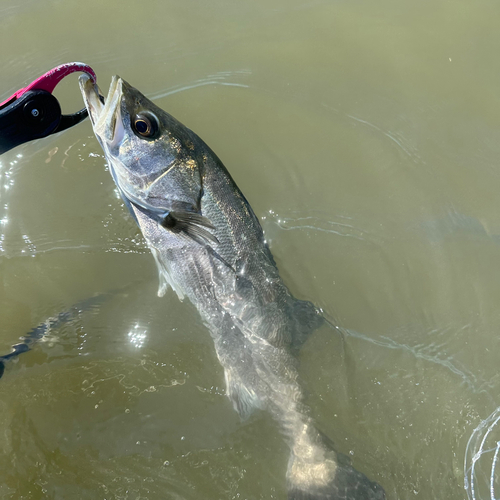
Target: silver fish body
(210,248)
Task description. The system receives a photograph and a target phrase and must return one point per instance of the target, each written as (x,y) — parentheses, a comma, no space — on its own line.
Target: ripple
(481,479)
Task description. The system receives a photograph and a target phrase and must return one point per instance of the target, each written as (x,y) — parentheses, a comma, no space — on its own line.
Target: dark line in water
(37,333)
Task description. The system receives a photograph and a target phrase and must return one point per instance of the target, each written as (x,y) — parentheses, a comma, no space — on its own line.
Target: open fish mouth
(104,113)
(106,117)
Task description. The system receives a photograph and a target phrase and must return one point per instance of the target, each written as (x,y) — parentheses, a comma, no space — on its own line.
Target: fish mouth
(106,117)
(104,113)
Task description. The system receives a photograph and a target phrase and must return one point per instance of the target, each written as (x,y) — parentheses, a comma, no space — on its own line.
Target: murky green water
(366,136)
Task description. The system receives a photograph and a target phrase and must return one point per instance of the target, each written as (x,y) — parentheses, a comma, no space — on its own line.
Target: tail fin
(329,479)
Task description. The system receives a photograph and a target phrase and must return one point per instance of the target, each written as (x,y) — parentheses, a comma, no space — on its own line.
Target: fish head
(150,154)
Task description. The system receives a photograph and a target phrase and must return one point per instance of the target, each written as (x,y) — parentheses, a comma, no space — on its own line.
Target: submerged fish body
(210,248)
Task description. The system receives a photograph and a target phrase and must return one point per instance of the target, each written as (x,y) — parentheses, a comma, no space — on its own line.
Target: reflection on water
(138,336)
(366,137)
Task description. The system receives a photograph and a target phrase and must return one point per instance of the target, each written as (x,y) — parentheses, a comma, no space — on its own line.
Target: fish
(210,248)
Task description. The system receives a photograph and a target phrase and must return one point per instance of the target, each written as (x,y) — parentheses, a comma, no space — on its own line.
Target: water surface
(366,136)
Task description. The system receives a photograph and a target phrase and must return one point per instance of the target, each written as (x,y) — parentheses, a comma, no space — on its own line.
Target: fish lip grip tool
(33,112)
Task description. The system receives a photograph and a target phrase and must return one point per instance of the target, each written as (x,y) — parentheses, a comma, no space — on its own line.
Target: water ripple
(314,223)
(215,79)
(435,356)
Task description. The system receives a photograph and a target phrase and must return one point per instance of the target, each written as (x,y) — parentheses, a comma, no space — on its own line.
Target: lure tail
(37,333)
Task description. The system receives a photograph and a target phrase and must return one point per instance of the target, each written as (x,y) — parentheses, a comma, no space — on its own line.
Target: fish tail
(2,368)
(328,478)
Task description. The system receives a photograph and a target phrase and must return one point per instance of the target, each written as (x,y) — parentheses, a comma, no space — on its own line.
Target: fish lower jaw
(90,94)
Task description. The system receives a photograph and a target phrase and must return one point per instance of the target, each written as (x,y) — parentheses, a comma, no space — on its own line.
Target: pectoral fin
(194,226)
(191,224)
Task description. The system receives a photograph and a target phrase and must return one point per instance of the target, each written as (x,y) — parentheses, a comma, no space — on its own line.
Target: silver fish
(209,247)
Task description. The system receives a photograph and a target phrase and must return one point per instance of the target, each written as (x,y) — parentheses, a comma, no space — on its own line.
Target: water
(366,136)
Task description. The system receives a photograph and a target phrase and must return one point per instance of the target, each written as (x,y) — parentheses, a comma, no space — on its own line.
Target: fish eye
(145,125)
